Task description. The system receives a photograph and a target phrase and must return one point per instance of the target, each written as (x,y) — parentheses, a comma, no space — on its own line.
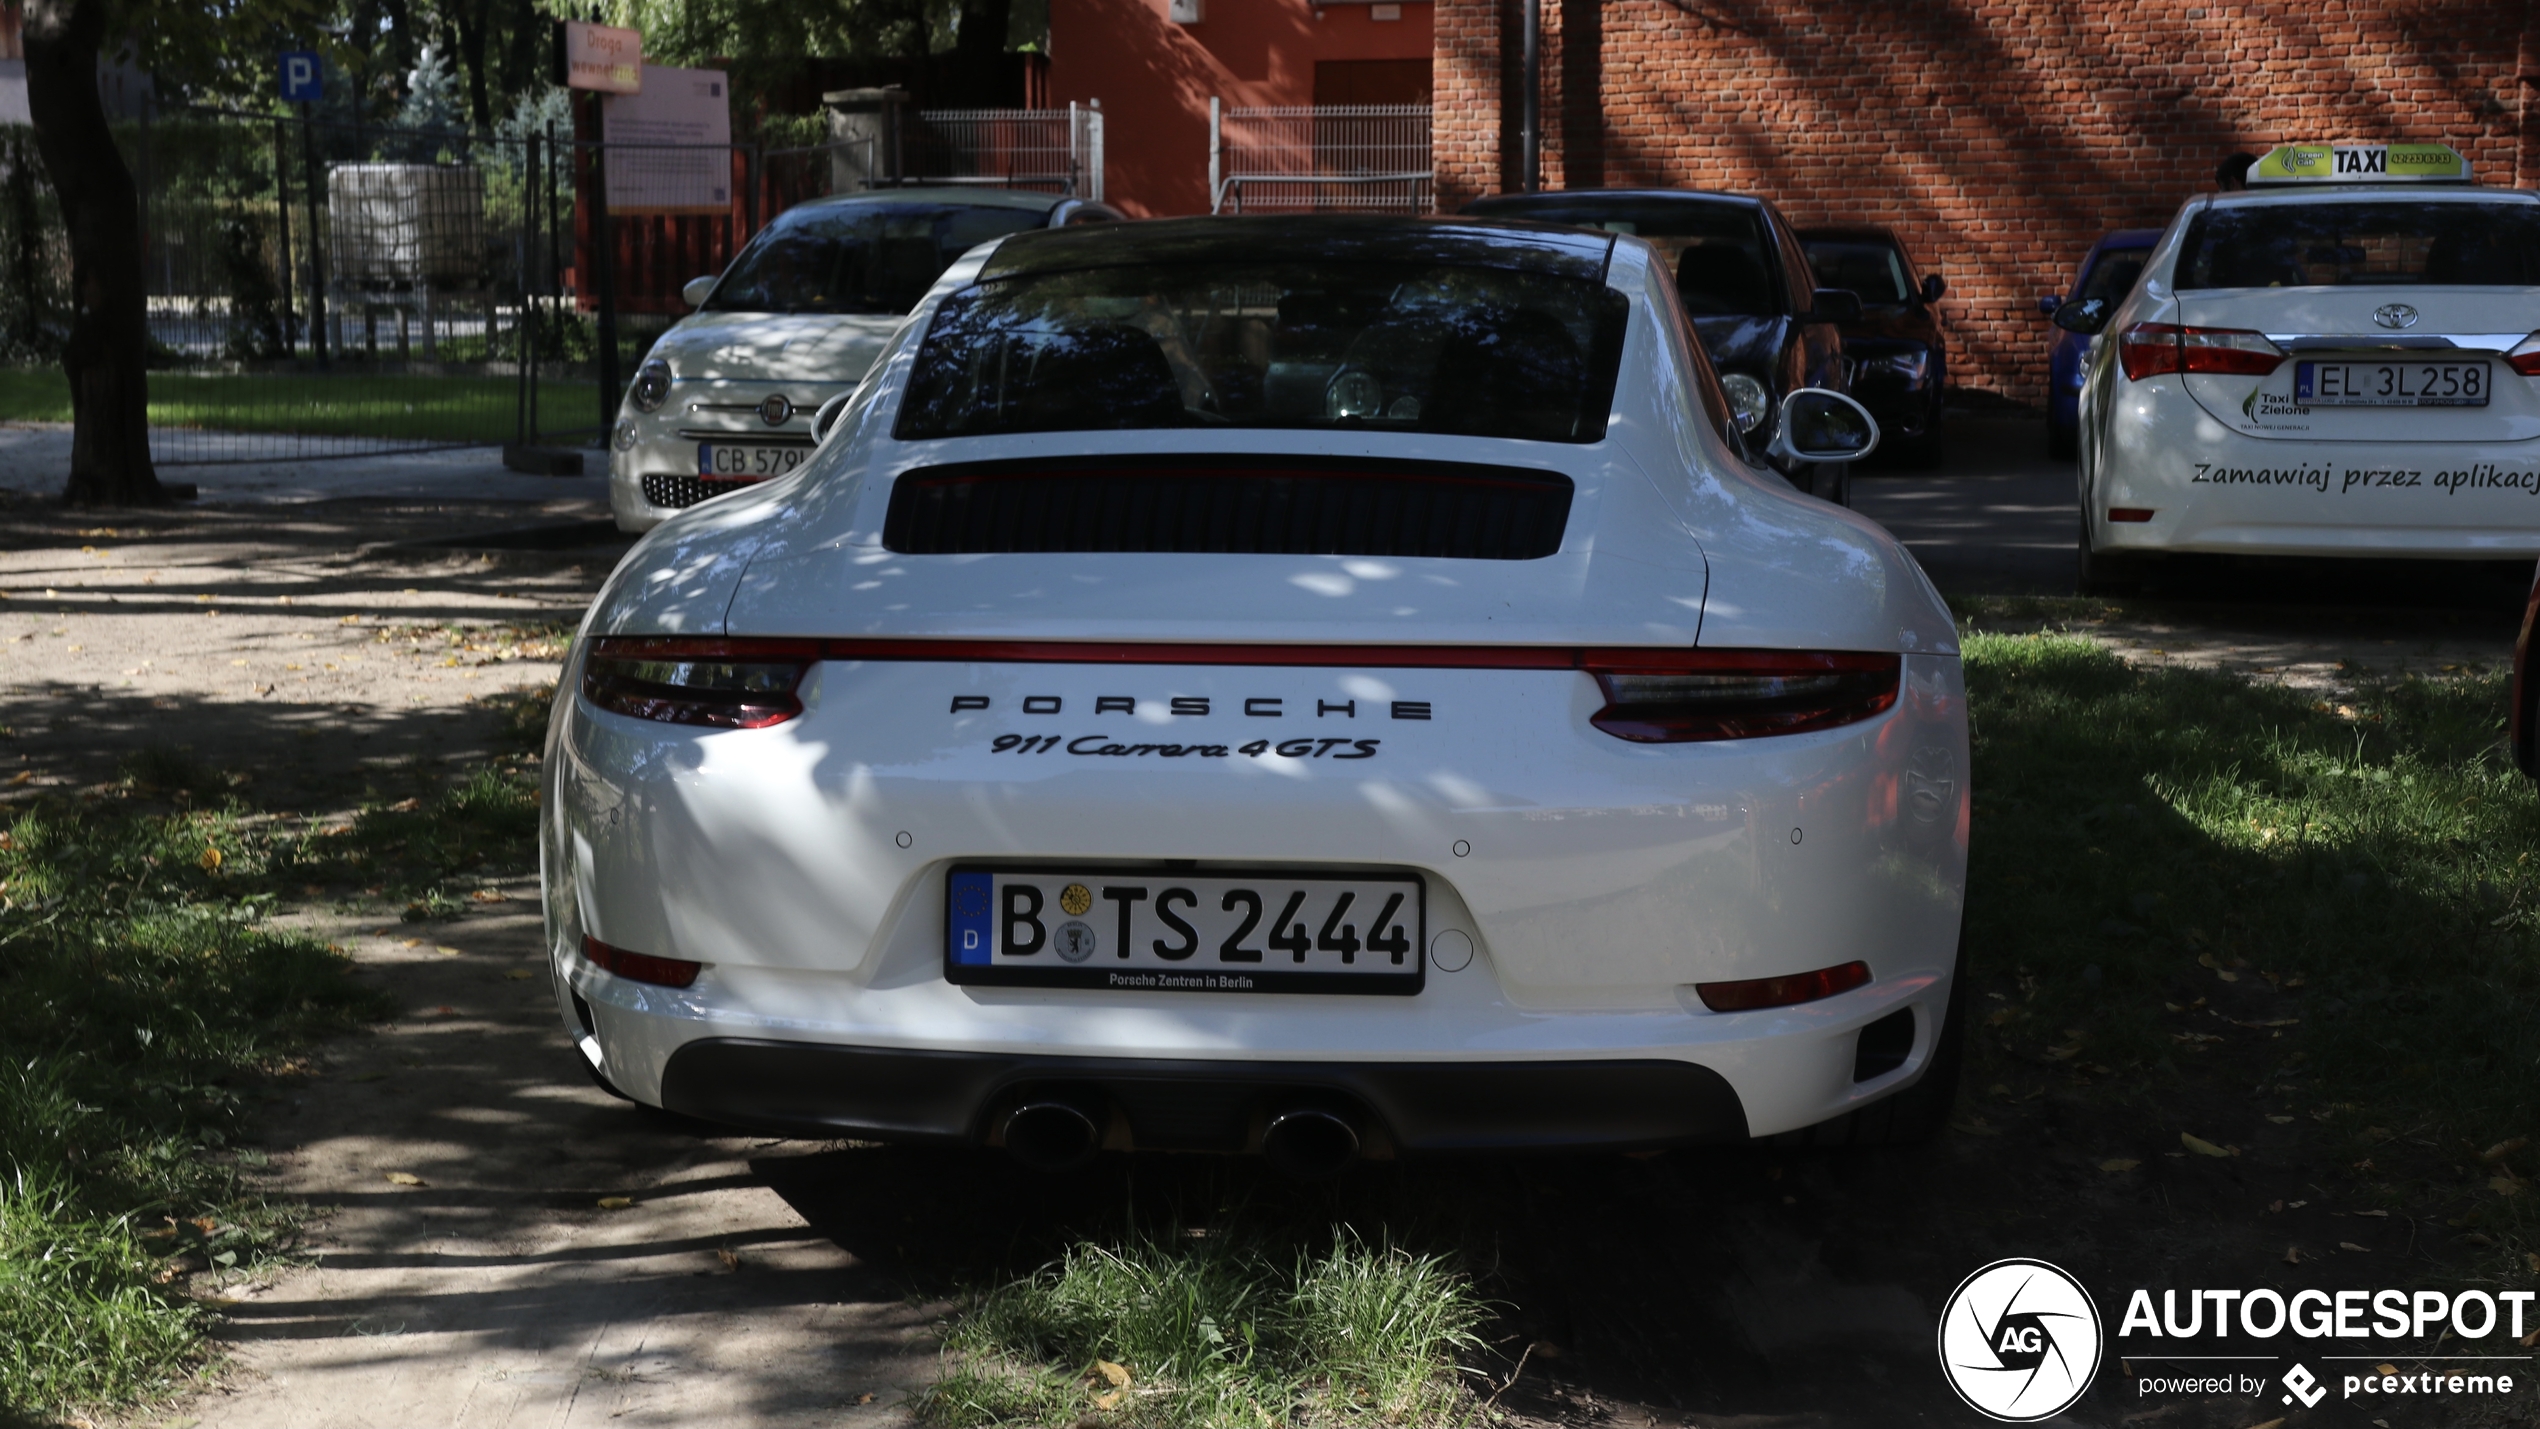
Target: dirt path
(752,1281)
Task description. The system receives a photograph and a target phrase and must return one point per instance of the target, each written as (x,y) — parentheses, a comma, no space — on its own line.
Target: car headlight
(652,386)
(1910,365)
(1749,403)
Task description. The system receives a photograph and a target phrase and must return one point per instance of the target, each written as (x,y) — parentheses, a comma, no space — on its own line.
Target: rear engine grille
(1294,506)
(664,489)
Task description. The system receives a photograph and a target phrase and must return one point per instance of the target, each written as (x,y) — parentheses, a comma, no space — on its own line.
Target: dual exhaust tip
(1062,1131)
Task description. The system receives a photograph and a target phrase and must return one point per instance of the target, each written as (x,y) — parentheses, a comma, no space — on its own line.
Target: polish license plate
(727,460)
(1164,930)
(2390,384)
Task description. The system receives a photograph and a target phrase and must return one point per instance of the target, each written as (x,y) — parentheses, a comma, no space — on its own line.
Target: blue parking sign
(302,76)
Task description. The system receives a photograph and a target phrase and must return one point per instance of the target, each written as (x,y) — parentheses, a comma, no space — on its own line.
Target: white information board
(687,108)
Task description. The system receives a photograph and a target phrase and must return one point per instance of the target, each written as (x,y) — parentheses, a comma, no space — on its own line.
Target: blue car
(2109,271)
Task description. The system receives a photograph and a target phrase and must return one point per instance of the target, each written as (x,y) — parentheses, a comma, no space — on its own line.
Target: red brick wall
(2000,139)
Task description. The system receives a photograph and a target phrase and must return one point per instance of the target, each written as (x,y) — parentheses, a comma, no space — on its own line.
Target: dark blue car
(2114,262)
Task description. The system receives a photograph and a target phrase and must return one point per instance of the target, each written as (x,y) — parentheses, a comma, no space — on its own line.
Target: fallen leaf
(21,777)
(2227,975)
(2478,1238)
(864,1399)
(488,895)
(447,952)
(2293,1255)
(404,1178)
(2119,1163)
(2377,1215)
(2281,1120)
(2504,1185)
(1109,1400)
(616,1203)
(730,1260)
(2350,1245)
(2385,1369)
(2503,1149)
(2274,1207)
(518,974)
(2275,1423)
(1118,1374)
(2064,1054)
(2200,1145)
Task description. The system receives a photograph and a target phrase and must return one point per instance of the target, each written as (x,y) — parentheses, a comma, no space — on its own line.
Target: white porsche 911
(1312,686)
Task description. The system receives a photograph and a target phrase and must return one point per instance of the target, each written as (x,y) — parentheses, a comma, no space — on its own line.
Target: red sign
(603,57)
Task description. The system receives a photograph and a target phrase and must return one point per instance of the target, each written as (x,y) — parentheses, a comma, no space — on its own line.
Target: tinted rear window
(1717,249)
(1399,347)
(858,258)
(2362,245)
(2112,277)
(1873,270)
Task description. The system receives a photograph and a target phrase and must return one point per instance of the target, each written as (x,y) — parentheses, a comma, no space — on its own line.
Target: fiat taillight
(724,684)
(1676,697)
(2149,349)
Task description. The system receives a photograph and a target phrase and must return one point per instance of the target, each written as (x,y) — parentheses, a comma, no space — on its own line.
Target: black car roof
(1555,198)
(1315,238)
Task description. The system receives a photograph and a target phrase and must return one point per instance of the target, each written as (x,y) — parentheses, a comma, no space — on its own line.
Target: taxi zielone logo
(2019,1341)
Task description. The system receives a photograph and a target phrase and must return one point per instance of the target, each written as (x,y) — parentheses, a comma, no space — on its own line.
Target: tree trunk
(110,439)
(469,18)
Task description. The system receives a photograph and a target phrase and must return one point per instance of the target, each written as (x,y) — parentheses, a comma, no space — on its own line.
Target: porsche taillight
(2149,349)
(724,684)
(1677,697)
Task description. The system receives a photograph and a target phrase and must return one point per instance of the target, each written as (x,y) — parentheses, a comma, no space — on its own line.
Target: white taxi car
(1305,685)
(726,397)
(2336,362)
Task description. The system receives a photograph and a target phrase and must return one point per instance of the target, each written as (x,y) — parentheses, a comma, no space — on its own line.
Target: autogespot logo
(2019,1341)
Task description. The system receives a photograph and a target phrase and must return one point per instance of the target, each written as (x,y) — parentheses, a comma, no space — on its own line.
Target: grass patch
(2171,864)
(149,1004)
(1182,1329)
(393,407)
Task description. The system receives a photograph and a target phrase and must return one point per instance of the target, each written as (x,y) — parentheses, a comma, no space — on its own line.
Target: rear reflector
(641,967)
(2129,513)
(726,684)
(2147,349)
(1789,991)
(1662,697)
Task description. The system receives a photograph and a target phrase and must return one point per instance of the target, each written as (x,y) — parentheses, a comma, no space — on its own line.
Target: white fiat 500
(1315,686)
(2337,362)
(726,397)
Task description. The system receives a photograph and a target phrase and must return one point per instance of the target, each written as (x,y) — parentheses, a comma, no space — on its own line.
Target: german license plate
(2390,384)
(726,459)
(1163,930)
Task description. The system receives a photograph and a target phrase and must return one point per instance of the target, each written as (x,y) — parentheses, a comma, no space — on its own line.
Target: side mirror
(2047,303)
(1933,286)
(2086,316)
(1818,425)
(1834,305)
(695,291)
(827,416)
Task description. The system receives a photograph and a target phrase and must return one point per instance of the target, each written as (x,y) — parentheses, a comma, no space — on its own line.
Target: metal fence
(314,290)
(1355,158)
(1052,150)
(324,290)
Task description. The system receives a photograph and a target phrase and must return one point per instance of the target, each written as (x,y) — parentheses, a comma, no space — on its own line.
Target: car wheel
(2061,441)
(2099,573)
(1916,1114)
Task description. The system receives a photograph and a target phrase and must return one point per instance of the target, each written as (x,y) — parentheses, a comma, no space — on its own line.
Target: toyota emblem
(2395,315)
(775,410)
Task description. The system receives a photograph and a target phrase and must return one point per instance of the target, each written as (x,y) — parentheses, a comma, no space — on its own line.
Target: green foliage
(2167,858)
(456,409)
(144,1001)
(1187,1329)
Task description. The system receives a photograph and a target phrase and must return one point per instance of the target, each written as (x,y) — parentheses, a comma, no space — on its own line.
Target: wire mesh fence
(317,289)
(1052,150)
(1356,158)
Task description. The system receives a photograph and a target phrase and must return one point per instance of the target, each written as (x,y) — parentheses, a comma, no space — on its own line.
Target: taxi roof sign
(2360,164)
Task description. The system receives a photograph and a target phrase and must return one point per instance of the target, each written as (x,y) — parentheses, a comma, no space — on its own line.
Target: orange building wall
(1155,78)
